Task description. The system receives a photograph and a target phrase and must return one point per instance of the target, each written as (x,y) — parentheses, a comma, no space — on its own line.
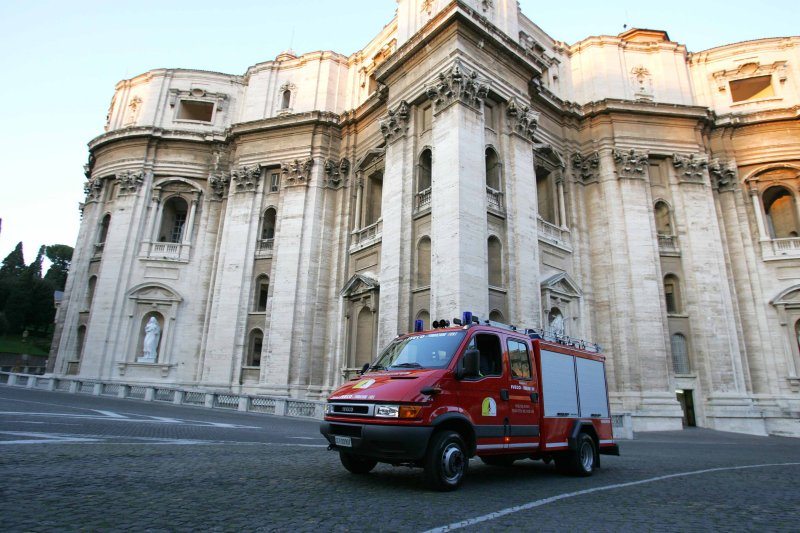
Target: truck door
(481,396)
(523,402)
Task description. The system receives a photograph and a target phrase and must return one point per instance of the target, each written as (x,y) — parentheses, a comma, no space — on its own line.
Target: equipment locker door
(523,406)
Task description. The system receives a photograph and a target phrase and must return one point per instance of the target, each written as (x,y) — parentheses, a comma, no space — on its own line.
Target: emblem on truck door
(364,384)
(489,407)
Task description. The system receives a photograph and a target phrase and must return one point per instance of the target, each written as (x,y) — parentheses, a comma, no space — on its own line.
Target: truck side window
(519,360)
(491,360)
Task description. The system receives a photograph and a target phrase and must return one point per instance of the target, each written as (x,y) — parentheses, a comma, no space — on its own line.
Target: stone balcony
(554,234)
(367,236)
(167,251)
(264,248)
(775,249)
(495,202)
(422,202)
(668,245)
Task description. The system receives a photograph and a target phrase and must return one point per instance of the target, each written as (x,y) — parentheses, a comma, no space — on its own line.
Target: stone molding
(723,175)
(630,164)
(93,189)
(457,84)
(297,172)
(586,168)
(220,99)
(336,172)
(522,120)
(245,178)
(747,70)
(395,125)
(691,168)
(129,182)
(218,185)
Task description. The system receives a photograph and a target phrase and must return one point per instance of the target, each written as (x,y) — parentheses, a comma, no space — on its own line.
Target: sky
(60,60)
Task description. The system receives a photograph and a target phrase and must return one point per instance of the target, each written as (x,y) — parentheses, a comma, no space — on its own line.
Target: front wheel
(580,462)
(446,461)
(357,464)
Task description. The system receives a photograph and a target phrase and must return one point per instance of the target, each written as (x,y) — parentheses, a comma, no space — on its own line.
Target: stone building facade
(284,224)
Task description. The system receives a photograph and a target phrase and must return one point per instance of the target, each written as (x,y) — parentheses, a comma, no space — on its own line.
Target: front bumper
(387,443)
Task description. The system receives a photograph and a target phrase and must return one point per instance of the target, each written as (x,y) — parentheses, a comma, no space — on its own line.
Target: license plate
(343,441)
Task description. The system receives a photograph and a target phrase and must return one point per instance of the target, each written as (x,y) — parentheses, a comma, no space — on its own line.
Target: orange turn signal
(410,411)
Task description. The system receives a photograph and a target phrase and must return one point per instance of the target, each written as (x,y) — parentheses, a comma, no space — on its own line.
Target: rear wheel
(498,460)
(357,464)
(580,462)
(446,461)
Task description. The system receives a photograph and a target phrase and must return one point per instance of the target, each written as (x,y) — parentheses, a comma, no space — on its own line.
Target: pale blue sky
(60,60)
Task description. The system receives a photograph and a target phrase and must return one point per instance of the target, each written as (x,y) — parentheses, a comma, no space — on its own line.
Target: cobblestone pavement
(74,462)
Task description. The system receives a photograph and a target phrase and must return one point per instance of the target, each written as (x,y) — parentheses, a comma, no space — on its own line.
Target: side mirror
(364,369)
(468,365)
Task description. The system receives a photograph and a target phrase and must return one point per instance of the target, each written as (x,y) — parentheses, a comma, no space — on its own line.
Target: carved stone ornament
(89,166)
(642,82)
(396,124)
(93,189)
(129,182)
(218,186)
(297,172)
(336,172)
(486,5)
(245,179)
(586,167)
(630,163)
(690,168)
(723,175)
(457,84)
(427,6)
(522,119)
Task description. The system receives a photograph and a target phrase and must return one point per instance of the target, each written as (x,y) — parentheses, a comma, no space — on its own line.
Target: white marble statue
(152,334)
(557,324)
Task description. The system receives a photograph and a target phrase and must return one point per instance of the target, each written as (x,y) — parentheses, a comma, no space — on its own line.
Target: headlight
(328,408)
(387,411)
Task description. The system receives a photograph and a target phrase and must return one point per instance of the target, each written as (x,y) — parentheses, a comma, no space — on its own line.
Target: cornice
(611,105)
(153,132)
(285,121)
(757,117)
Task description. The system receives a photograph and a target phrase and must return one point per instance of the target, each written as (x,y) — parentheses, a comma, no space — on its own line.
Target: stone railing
(668,244)
(264,247)
(495,201)
(361,238)
(422,201)
(551,233)
(175,395)
(780,248)
(172,251)
(622,424)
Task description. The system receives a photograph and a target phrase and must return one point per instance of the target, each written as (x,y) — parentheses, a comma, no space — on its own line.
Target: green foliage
(26,299)
(31,345)
(14,264)
(60,256)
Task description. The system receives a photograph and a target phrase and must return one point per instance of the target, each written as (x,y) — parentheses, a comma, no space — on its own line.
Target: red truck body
(454,393)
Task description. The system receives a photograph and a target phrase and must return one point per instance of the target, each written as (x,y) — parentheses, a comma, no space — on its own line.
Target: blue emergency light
(418,326)
(467,318)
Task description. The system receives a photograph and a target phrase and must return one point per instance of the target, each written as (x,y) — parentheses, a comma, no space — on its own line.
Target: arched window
(425,317)
(286,99)
(173,220)
(90,291)
(424,262)
(268,224)
(103,233)
(261,294)
(424,169)
(80,342)
(495,262)
(496,316)
(672,294)
(364,338)
(781,213)
(254,345)
(492,170)
(680,354)
(663,218)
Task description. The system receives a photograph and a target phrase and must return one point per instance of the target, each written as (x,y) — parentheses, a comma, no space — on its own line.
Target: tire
(446,462)
(356,463)
(498,460)
(580,462)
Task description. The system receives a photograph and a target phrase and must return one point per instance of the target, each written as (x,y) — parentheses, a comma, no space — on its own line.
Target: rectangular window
(427,118)
(195,110)
(488,113)
(263,293)
(518,359)
(491,355)
(752,88)
(275,182)
(177,227)
(669,296)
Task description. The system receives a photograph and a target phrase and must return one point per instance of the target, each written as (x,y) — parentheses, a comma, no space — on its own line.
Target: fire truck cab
(434,399)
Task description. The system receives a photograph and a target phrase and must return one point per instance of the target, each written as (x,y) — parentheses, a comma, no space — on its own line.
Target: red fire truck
(435,398)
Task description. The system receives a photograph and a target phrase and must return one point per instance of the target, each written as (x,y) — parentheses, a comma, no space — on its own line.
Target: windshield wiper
(407,365)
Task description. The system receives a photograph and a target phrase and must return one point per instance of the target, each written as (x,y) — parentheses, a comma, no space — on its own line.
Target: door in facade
(687,404)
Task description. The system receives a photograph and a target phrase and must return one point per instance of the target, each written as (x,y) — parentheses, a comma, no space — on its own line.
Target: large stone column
(523,241)
(459,277)
(396,257)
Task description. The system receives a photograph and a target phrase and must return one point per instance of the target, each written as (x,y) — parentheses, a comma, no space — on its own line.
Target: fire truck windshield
(433,350)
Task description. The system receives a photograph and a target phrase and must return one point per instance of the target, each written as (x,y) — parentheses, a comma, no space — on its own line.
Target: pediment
(370,159)
(359,284)
(561,283)
(155,292)
(788,297)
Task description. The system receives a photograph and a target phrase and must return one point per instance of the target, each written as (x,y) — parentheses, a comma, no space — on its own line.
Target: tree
(14,264)
(35,268)
(60,256)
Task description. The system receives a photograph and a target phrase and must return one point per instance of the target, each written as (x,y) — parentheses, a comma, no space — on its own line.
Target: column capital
(297,172)
(245,178)
(395,125)
(129,181)
(336,172)
(218,185)
(691,168)
(631,164)
(522,120)
(93,188)
(458,84)
(586,167)
(723,175)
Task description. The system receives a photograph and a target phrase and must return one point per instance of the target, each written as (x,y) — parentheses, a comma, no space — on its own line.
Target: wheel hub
(452,462)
